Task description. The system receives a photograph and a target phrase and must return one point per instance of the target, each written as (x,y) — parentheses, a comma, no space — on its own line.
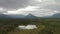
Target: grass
(34,31)
(45,26)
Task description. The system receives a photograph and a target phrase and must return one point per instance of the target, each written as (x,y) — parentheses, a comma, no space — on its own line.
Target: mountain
(17,16)
(4,16)
(30,16)
(56,15)
(11,16)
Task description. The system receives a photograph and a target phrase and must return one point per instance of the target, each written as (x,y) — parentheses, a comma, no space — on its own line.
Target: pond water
(23,27)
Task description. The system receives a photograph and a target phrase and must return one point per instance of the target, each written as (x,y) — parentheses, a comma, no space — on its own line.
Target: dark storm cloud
(13,3)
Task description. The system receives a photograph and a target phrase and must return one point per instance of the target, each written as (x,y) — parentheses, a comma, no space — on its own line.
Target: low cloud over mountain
(39,8)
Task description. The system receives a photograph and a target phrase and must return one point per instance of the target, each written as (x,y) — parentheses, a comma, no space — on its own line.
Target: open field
(45,26)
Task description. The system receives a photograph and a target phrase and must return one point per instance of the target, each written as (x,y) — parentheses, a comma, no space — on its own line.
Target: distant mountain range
(53,16)
(4,16)
(56,15)
(30,16)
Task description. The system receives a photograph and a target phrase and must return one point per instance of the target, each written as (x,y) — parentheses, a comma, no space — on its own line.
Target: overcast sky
(14,4)
(35,7)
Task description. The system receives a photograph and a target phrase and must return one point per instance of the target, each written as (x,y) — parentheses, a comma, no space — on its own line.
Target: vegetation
(45,26)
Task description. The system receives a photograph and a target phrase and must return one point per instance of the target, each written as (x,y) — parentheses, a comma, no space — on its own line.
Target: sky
(39,8)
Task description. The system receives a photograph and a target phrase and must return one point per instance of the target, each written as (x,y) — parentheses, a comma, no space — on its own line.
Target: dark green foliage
(52,25)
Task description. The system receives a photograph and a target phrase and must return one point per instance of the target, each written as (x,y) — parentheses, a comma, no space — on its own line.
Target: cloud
(42,2)
(28,8)
(42,12)
(2,10)
(23,10)
(38,13)
(13,12)
(38,8)
(35,10)
(13,4)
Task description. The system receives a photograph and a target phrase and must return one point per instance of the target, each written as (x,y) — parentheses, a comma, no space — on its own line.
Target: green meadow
(45,26)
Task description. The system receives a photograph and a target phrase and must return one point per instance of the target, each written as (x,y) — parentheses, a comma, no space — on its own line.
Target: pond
(27,27)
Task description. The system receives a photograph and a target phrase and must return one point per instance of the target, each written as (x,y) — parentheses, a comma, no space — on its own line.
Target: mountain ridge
(30,16)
